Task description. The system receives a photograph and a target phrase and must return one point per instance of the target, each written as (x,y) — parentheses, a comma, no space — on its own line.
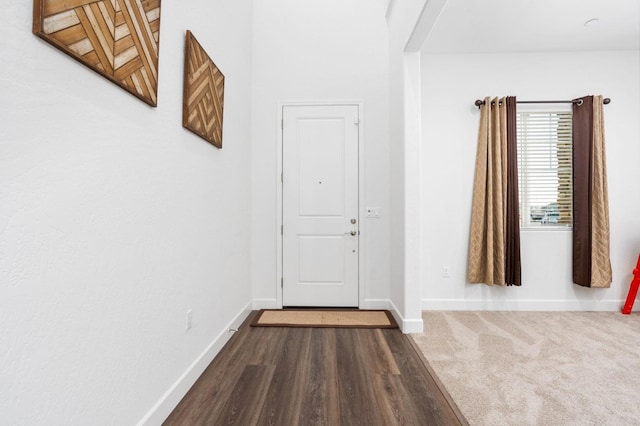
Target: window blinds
(544,141)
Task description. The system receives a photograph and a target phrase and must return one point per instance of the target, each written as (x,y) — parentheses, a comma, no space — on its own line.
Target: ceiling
(475,26)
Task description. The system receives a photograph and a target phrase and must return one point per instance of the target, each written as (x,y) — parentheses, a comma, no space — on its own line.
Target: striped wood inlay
(203,93)
(117,38)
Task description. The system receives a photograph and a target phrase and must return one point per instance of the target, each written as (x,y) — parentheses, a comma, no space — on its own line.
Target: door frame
(361,205)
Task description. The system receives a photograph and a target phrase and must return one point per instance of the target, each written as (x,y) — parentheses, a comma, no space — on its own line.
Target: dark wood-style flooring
(316,376)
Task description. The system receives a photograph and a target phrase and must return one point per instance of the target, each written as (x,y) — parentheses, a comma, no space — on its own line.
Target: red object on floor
(633,290)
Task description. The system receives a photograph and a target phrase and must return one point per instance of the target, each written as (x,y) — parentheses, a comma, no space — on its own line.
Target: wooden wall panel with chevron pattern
(119,39)
(203,96)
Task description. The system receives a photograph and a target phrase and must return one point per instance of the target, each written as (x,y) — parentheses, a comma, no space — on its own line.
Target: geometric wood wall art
(118,39)
(203,95)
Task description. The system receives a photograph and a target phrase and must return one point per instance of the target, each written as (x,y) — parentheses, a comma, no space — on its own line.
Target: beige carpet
(537,368)
(324,318)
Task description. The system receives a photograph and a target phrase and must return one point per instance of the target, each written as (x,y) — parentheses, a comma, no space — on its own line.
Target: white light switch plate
(373,212)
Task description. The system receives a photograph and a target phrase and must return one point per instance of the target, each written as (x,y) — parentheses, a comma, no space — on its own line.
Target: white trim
(407,325)
(411,326)
(390,6)
(608,305)
(161,410)
(265,304)
(366,304)
(361,204)
(279,221)
(375,304)
(412,186)
(425,23)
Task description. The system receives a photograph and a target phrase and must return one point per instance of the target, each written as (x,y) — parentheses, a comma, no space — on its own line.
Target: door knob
(354,233)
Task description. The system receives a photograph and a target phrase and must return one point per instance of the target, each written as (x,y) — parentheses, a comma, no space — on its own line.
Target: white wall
(320,51)
(404,106)
(114,221)
(451,83)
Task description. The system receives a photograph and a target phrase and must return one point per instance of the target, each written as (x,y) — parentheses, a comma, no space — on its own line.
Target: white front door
(320,206)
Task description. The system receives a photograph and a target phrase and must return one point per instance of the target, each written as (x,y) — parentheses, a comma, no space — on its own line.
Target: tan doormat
(329,318)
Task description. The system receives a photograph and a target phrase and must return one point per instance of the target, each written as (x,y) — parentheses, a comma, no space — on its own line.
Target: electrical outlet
(445,272)
(189,320)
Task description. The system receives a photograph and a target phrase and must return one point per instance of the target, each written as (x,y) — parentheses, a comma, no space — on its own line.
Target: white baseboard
(161,410)
(375,304)
(609,305)
(407,325)
(265,304)
(366,304)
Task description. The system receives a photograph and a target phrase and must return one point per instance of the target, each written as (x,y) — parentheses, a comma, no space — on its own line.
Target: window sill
(548,228)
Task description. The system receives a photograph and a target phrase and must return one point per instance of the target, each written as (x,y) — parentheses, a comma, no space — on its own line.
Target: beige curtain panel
(487,240)
(494,242)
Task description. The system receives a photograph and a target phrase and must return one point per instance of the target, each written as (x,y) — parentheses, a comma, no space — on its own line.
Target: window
(545,168)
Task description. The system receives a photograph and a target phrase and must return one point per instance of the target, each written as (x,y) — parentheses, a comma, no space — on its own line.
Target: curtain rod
(605,101)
